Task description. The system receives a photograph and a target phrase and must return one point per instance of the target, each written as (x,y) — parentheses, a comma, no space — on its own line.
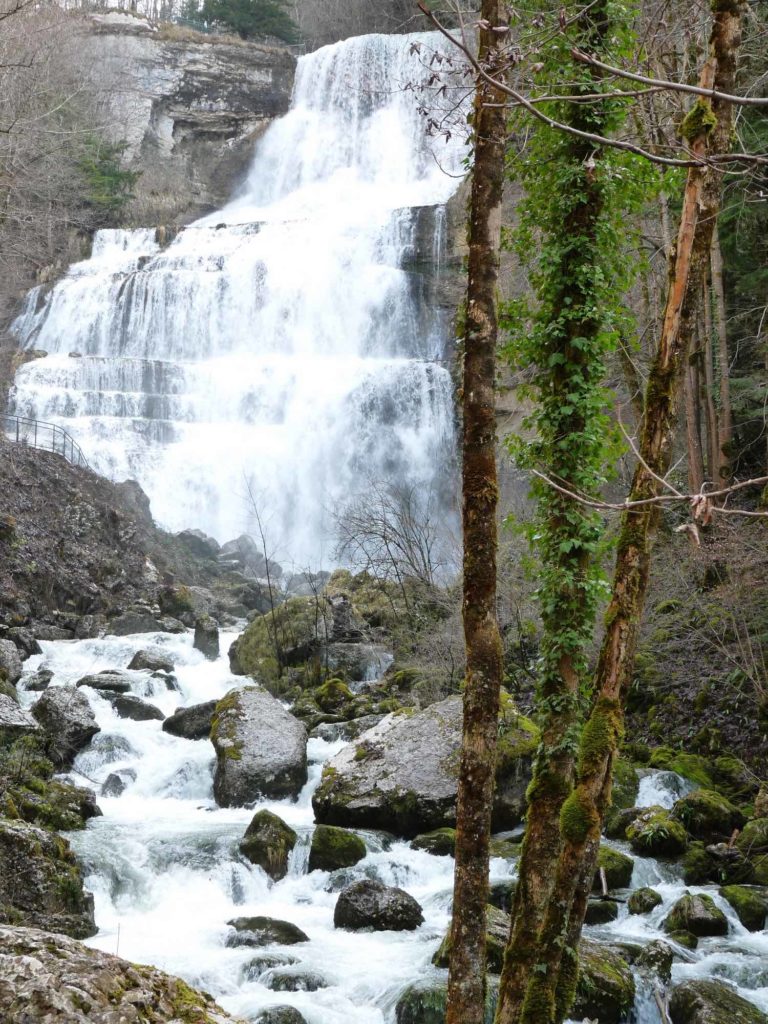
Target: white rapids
(280,352)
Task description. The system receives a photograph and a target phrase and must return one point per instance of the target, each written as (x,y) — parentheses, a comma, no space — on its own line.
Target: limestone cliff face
(190,108)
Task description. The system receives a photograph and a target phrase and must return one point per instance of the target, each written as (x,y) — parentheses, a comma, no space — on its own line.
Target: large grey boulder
(134,708)
(14,721)
(151,660)
(40,882)
(697,914)
(110,681)
(51,979)
(192,723)
(701,1001)
(68,721)
(206,637)
(261,749)
(10,662)
(371,904)
(402,775)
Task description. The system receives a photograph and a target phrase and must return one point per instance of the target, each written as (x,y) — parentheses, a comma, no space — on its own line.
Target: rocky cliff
(189,106)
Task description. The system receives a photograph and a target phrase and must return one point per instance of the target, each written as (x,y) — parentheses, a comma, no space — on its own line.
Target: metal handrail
(48,437)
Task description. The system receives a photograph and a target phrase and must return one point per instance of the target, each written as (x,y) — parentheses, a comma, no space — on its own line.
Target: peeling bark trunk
(693,426)
(714,455)
(725,425)
(466,977)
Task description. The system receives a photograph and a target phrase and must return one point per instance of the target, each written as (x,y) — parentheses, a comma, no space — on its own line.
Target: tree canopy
(252,18)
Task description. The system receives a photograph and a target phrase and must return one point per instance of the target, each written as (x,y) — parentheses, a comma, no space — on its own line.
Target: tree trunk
(583,812)
(466,977)
(714,455)
(725,431)
(693,425)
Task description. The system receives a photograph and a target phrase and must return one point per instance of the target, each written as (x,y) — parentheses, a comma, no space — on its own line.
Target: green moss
(708,815)
(700,120)
(625,784)
(618,868)
(643,901)
(750,905)
(698,866)
(334,848)
(332,695)
(655,833)
(268,842)
(578,818)
(518,737)
(441,842)
(690,766)
(684,939)
(697,914)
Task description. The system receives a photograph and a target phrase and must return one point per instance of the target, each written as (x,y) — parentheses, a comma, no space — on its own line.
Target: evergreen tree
(252,18)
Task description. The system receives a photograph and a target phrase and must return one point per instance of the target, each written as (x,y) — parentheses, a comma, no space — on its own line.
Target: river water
(166,874)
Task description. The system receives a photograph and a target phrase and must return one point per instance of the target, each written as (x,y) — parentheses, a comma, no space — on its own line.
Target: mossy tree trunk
(466,978)
(708,131)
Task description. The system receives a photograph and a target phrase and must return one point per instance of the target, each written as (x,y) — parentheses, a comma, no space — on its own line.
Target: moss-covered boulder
(643,901)
(605,989)
(601,911)
(616,866)
(40,882)
(332,696)
(496,936)
(280,1015)
(334,848)
(751,905)
(625,785)
(268,842)
(47,977)
(441,842)
(402,775)
(654,833)
(698,915)
(264,931)
(693,767)
(684,939)
(656,958)
(425,1003)
(753,840)
(707,815)
(700,1001)
(261,749)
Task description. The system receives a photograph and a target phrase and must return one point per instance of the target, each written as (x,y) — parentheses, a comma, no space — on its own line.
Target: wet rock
(708,815)
(334,848)
(261,749)
(10,662)
(46,631)
(654,833)
(110,680)
(152,660)
(40,882)
(257,966)
(117,782)
(135,709)
(90,626)
(192,723)
(143,621)
(698,915)
(25,641)
(68,722)
(370,904)
(280,1015)
(401,776)
(617,867)
(496,935)
(268,842)
(502,895)
(751,905)
(605,989)
(601,911)
(684,939)
(425,1003)
(199,543)
(39,680)
(291,980)
(263,931)
(643,901)
(702,1001)
(53,979)
(656,958)
(207,637)
(14,721)
(753,840)
(440,843)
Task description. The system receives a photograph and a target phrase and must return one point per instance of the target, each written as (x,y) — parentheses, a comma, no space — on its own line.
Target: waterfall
(278,351)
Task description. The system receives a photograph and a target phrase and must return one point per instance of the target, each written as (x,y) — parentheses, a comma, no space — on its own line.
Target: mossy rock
(334,848)
(502,894)
(617,821)
(699,867)
(268,842)
(496,936)
(656,958)
(264,931)
(618,869)
(701,1001)
(601,911)
(441,842)
(751,905)
(753,840)
(698,915)
(684,939)
(506,849)
(655,833)
(643,901)
(518,736)
(333,695)
(707,815)
(625,784)
(287,637)
(425,1003)
(605,989)
(691,766)
(280,1015)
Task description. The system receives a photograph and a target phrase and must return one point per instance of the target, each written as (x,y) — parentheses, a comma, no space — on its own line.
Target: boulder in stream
(15,722)
(643,901)
(151,660)
(280,1015)
(371,904)
(616,866)
(10,662)
(268,842)
(51,979)
(708,815)
(117,782)
(39,680)
(68,722)
(654,833)
(334,848)
(605,990)
(110,681)
(264,931)
(401,776)
(207,637)
(134,708)
(261,749)
(751,905)
(698,915)
(701,1001)
(192,723)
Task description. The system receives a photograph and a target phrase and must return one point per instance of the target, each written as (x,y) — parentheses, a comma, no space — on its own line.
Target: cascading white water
(276,347)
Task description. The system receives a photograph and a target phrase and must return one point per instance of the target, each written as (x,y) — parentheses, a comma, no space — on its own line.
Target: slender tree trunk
(582,814)
(466,977)
(725,426)
(693,426)
(714,455)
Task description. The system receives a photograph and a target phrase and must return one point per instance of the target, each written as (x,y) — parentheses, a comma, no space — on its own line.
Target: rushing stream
(164,867)
(285,350)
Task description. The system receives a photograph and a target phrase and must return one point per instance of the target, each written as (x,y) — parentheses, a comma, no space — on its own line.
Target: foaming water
(279,342)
